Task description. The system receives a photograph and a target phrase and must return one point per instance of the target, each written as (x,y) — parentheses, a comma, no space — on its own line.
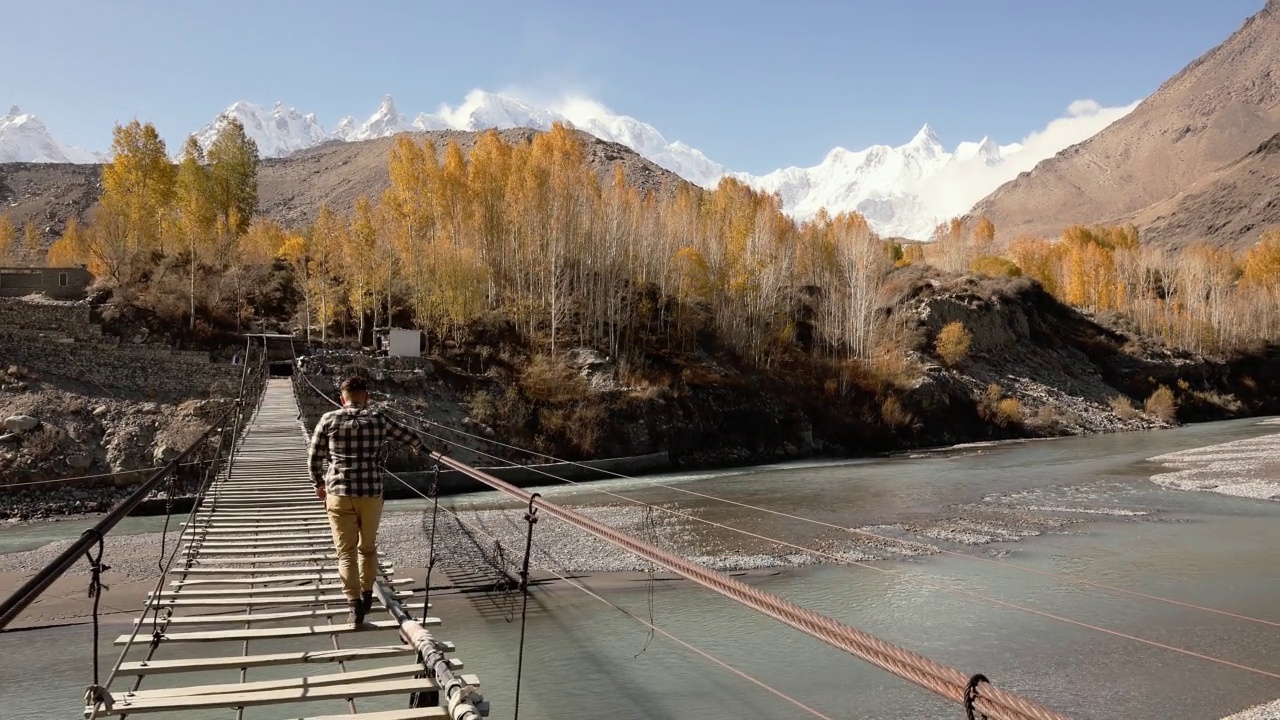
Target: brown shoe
(367,600)
(355,614)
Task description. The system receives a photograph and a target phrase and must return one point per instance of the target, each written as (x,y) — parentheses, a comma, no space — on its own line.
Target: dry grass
(1162,404)
(1123,407)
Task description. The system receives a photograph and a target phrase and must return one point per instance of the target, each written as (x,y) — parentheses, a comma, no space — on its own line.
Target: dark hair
(355,384)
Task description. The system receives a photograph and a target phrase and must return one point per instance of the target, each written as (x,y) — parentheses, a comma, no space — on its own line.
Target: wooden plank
(254,592)
(256,531)
(426,713)
(214,547)
(318,540)
(270,538)
(235,662)
(240,617)
(283,555)
(384,567)
(381,673)
(297,631)
(264,560)
(125,706)
(298,578)
(313,599)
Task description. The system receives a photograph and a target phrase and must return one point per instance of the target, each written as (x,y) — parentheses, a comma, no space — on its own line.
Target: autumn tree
(70,248)
(8,239)
(137,187)
(233,176)
(32,244)
(194,213)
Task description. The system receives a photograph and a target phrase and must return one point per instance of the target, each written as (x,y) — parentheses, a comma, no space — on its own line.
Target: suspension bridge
(254,565)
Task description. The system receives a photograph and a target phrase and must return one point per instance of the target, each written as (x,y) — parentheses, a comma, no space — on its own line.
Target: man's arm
(403,435)
(318,455)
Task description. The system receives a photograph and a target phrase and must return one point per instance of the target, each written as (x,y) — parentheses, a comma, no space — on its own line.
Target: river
(581,656)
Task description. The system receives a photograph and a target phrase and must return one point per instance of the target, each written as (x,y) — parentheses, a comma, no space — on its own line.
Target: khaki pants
(354,521)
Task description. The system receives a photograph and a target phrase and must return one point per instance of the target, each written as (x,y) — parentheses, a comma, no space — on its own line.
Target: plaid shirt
(351,441)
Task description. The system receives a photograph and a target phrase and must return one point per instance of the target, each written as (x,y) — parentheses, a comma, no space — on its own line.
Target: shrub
(1123,407)
(550,380)
(1009,411)
(953,343)
(1161,404)
(995,267)
(893,414)
(484,409)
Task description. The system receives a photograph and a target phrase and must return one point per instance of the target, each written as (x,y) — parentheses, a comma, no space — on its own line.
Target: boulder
(101,410)
(79,462)
(21,423)
(165,455)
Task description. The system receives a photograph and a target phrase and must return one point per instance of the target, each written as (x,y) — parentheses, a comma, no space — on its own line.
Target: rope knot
(971,696)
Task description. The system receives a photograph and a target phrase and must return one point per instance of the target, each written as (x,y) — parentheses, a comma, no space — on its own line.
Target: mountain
(885,184)
(1155,166)
(292,189)
(1228,208)
(23,138)
(278,131)
(903,191)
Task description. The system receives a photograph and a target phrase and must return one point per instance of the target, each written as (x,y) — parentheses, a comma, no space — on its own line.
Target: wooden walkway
(258,616)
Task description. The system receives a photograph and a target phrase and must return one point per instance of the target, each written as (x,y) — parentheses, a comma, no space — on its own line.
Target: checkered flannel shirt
(350,440)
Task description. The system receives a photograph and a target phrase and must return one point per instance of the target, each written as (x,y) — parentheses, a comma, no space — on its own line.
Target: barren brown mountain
(291,190)
(1171,163)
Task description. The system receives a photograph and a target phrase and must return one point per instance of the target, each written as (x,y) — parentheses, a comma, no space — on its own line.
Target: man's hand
(320,491)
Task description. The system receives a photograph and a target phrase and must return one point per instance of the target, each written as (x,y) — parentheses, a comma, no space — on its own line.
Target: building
(62,283)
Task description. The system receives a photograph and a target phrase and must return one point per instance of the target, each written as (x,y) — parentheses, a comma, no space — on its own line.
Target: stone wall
(160,372)
(65,319)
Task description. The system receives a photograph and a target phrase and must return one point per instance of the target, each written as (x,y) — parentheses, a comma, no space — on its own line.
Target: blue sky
(755,85)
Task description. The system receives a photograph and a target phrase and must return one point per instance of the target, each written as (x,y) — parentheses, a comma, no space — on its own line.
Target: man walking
(350,440)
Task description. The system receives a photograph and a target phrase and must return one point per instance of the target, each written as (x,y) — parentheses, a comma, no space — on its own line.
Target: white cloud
(957,187)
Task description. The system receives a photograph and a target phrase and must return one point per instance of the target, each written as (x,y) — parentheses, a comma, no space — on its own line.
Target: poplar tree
(137,187)
(194,214)
(233,173)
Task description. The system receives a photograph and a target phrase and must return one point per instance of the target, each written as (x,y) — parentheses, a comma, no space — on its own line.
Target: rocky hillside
(1035,368)
(1145,167)
(1228,207)
(291,190)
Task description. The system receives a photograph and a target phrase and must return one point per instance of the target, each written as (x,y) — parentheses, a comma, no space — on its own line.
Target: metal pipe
(27,594)
(461,700)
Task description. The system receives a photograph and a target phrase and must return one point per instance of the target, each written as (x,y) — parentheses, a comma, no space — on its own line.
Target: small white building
(404,343)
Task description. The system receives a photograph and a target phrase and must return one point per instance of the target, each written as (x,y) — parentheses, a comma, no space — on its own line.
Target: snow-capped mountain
(278,131)
(23,138)
(885,184)
(903,191)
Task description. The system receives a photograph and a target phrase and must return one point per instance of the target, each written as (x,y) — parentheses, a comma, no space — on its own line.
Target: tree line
(1199,298)
(530,233)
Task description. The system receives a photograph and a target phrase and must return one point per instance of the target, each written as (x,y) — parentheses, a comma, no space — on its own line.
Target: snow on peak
(23,138)
(903,191)
(926,138)
(384,122)
(278,131)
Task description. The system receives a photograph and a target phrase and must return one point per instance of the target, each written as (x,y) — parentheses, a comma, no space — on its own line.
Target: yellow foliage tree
(137,186)
(8,238)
